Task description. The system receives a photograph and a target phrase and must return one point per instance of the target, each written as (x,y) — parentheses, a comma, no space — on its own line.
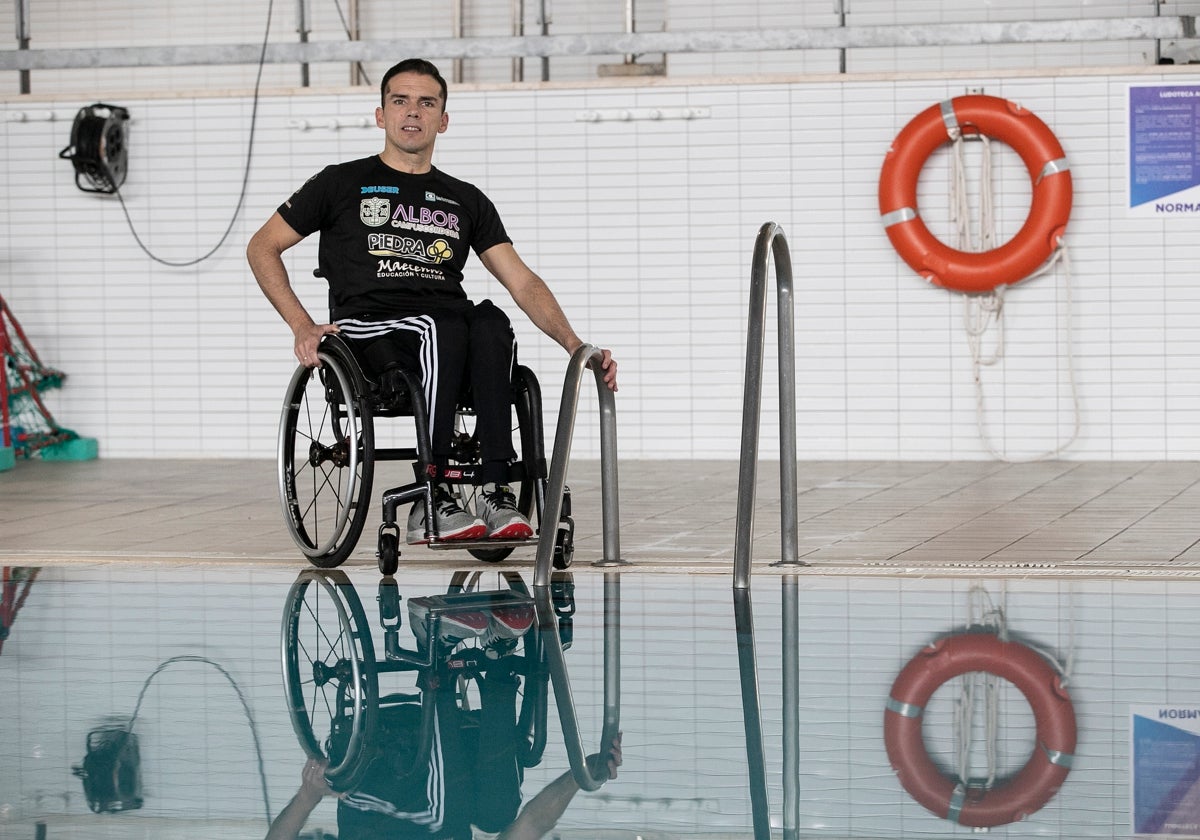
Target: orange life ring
(1044,226)
(1034,784)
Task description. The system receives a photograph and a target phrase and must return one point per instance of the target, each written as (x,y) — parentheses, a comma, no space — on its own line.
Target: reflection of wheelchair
(327,456)
(332,675)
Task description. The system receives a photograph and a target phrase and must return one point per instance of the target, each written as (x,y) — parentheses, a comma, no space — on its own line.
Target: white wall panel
(645,230)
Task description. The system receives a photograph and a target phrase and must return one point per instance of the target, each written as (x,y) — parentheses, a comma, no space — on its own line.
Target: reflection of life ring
(1035,241)
(1033,784)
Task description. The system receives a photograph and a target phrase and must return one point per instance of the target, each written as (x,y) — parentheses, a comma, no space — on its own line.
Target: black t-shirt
(431,797)
(391,241)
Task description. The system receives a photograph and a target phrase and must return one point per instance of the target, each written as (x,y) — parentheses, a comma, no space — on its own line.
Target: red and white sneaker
(498,510)
(507,626)
(454,627)
(453,523)
(511,622)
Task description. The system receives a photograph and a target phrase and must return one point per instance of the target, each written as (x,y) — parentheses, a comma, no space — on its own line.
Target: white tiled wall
(645,230)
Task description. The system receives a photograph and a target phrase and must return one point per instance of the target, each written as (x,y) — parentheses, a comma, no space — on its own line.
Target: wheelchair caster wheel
(564,543)
(389,554)
(562,591)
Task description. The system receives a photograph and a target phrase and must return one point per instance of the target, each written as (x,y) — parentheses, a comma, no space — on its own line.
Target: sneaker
(453,523)
(454,627)
(511,622)
(498,510)
(507,625)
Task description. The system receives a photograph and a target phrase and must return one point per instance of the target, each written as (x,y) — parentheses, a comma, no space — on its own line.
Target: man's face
(413,112)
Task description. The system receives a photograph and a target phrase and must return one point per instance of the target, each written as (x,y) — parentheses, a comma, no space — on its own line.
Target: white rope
(982,613)
(960,207)
(1066,667)
(985,312)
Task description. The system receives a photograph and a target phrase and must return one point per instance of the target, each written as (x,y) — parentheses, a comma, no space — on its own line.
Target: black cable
(262,774)
(245,176)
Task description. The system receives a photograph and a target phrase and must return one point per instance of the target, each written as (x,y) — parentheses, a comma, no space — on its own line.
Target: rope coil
(984,312)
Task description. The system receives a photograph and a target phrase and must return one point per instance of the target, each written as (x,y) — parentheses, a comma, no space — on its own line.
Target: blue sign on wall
(1164,150)
(1165,771)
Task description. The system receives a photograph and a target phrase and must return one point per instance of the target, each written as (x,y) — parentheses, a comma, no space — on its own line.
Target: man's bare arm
(537,301)
(313,788)
(541,814)
(264,252)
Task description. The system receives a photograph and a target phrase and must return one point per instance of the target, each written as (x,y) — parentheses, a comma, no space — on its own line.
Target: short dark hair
(413,65)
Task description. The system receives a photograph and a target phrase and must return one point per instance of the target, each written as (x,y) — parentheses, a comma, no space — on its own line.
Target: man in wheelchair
(395,233)
(463,782)
(535,820)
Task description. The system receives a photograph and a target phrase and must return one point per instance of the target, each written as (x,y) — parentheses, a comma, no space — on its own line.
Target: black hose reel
(98,149)
(111,770)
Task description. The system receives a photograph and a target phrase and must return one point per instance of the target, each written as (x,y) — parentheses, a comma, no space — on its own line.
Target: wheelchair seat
(327,455)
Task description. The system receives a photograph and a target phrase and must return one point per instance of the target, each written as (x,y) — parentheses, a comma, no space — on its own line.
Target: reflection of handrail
(791,707)
(743,616)
(558,466)
(770,239)
(553,649)
(756,764)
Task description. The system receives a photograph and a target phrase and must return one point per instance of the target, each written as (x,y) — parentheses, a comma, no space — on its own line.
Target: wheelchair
(332,674)
(327,458)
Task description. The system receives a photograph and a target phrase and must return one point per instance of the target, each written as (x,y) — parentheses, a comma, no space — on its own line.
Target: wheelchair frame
(334,671)
(327,454)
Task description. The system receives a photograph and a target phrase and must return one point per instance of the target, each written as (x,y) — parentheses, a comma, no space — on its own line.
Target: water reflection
(763,718)
(446,754)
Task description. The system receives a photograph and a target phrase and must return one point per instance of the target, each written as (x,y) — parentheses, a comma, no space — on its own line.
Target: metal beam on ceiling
(1174,27)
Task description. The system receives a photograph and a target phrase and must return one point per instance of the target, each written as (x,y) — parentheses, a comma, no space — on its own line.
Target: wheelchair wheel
(528,473)
(326,459)
(329,674)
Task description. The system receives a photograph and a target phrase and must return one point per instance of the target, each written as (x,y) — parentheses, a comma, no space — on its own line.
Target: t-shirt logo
(440,250)
(374,212)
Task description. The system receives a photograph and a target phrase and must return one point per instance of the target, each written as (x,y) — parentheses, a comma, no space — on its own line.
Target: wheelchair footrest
(448,545)
(454,602)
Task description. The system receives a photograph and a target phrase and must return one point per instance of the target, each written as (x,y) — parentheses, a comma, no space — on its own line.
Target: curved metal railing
(771,241)
(563,699)
(610,514)
(556,484)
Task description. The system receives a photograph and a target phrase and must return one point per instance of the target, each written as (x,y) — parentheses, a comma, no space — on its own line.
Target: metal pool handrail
(556,484)
(563,699)
(770,241)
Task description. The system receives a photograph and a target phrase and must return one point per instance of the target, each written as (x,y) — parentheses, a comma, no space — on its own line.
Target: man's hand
(541,813)
(609,365)
(313,784)
(598,767)
(308,339)
(313,788)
